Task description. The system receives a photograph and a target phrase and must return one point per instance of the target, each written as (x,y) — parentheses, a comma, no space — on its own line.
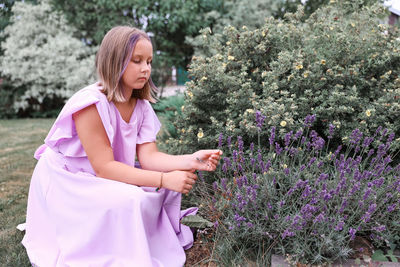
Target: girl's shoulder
(93,90)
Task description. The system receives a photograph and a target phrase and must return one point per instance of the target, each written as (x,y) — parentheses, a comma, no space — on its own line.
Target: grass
(18,141)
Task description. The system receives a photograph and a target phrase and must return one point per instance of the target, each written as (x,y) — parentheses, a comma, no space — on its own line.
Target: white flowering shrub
(338,65)
(42,56)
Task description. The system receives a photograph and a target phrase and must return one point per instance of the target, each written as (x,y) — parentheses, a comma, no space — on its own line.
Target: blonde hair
(112,58)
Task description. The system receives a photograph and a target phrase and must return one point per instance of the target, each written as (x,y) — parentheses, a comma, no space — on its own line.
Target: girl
(88,204)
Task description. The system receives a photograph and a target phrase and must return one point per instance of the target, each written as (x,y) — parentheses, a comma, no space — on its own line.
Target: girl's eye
(149,63)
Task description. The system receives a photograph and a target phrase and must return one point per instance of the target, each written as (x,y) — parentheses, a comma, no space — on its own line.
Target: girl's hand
(205,160)
(179,181)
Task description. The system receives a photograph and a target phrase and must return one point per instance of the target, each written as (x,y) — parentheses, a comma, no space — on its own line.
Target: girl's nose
(145,67)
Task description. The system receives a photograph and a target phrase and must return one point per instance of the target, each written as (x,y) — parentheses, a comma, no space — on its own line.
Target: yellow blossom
(231,58)
(323,61)
(190,94)
(284,166)
(224,65)
(228,43)
(368,113)
(283,123)
(200,134)
(249,110)
(244,28)
(182,108)
(305,75)
(183,130)
(353,25)
(263,33)
(204,78)
(299,67)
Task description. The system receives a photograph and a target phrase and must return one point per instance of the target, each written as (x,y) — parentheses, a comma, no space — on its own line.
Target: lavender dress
(77,219)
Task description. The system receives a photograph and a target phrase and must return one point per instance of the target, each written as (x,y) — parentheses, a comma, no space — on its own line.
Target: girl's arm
(95,142)
(152,159)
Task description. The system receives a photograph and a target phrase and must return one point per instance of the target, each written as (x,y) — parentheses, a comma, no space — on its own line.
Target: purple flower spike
(309,120)
(287,138)
(331,130)
(298,134)
(352,233)
(220,138)
(240,143)
(272,137)
(278,149)
(229,140)
(259,119)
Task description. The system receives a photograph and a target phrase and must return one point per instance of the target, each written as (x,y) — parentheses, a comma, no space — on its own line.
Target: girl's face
(137,73)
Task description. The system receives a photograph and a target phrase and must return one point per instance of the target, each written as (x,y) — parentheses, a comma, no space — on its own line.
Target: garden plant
(297,199)
(340,64)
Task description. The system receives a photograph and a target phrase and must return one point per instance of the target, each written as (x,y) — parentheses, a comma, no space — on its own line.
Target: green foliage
(234,13)
(169,108)
(169,21)
(380,256)
(42,57)
(196,221)
(340,65)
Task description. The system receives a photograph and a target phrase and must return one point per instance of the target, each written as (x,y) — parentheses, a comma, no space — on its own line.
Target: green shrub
(296,198)
(42,59)
(340,64)
(168,109)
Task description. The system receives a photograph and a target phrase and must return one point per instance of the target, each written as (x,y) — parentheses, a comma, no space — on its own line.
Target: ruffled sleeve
(150,125)
(62,136)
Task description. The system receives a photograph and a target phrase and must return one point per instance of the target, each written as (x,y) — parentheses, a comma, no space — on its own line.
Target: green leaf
(379,256)
(392,256)
(196,221)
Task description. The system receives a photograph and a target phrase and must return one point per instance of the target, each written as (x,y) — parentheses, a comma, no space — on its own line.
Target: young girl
(88,204)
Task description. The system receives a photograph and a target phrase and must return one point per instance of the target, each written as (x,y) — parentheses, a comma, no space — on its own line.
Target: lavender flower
(220,140)
(331,130)
(287,233)
(259,119)
(287,138)
(272,137)
(309,120)
(240,143)
(355,136)
(278,149)
(352,233)
(298,134)
(229,141)
(339,226)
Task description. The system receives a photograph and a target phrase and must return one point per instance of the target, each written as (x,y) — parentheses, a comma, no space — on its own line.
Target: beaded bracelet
(158,188)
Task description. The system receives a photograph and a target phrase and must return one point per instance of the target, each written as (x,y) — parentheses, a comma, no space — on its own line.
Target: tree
(168,21)
(42,58)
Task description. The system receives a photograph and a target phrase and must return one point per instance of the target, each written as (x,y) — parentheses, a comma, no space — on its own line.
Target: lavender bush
(299,199)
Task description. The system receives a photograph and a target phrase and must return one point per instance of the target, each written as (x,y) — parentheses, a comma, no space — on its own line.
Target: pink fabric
(77,219)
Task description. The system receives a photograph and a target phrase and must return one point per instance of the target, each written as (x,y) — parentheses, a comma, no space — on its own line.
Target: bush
(296,198)
(340,65)
(42,57)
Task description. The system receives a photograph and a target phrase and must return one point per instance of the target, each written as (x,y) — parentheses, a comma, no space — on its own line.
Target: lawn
(18,141)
